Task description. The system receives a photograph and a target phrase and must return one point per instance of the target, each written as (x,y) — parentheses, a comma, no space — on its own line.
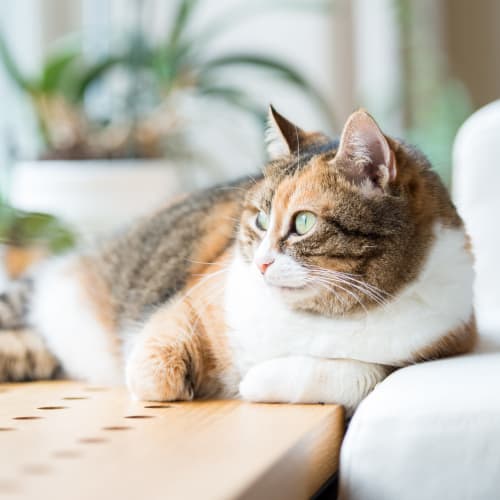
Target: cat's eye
(304,222)
(262,221)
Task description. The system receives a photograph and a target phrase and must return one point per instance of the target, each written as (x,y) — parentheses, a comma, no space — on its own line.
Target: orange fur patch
(461,340)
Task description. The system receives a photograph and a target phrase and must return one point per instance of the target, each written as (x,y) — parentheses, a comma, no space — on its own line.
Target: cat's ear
(282,136)
(365,154)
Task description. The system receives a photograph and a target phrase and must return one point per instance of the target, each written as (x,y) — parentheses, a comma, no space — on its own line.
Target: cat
(343,261)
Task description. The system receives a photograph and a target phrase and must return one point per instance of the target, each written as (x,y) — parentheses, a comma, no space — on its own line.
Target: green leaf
(7,218)
(237,15)
(235,97)
(170,63)
(438,124)
(55,70)
(31,228)
(99,69)
(13,69)
(94,72)
(278,68)
(181,20)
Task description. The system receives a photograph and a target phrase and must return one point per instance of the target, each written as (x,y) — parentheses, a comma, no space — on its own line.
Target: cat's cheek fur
(421,315)
(66,315)
(302,379)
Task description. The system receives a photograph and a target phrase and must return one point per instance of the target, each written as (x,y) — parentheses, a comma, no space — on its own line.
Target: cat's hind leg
(165,361)
(23,354)
(73,311)
(14,304)
(24,357)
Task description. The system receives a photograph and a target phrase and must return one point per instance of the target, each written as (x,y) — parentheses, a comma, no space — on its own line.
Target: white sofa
(432,431)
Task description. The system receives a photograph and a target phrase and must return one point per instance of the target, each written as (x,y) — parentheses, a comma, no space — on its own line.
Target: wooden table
(68,441)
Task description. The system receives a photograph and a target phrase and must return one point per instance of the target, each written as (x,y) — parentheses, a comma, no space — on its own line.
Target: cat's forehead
(311,187)
(290,165)
(306,180)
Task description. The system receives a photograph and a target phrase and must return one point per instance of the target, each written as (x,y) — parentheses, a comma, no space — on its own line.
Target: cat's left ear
(282,136)
(365,154)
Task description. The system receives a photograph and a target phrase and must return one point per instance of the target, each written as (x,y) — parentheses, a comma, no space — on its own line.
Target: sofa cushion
(476,185)
(428,431)
(433,430)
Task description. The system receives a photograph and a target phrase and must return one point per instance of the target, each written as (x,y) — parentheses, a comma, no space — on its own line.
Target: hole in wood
(51,407)
(29,417)
(92,440)
(139,416)
(7,429)
(117,428)
(66,454)
(75,398)
(157,407)
(36,469)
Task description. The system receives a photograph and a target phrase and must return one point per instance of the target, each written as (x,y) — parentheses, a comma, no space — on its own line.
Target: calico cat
(310,283)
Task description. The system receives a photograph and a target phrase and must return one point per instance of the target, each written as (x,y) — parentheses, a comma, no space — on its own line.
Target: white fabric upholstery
(432,431)
(476,192)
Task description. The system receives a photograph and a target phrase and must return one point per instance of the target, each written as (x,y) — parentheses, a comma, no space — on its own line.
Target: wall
(472,39)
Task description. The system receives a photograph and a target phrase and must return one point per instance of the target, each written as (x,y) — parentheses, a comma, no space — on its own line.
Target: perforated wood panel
(65,440)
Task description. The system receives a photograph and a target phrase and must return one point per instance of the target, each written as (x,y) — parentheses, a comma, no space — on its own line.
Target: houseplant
(82,179)
(28,237)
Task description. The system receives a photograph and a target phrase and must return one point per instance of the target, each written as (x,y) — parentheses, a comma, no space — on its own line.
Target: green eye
(262,221)
(304,222)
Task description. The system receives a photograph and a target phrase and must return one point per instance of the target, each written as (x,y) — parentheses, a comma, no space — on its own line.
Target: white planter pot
(95,196)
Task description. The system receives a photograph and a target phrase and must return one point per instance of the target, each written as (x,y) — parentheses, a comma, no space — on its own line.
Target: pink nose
(264,265)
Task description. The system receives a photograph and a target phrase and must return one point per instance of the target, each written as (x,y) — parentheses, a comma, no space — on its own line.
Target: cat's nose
(264,265)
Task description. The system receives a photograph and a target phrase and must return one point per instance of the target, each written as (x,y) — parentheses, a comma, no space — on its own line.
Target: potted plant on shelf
(26,238)
(96,172)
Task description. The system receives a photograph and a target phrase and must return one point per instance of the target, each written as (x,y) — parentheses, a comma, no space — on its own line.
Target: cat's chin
(291,294)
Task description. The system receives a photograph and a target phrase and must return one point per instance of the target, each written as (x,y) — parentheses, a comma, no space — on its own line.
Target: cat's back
(147,264)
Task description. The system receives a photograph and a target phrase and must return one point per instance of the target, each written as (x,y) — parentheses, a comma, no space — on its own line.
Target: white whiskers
(349,284)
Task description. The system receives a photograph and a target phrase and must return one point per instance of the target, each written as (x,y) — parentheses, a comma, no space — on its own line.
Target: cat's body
(310,283)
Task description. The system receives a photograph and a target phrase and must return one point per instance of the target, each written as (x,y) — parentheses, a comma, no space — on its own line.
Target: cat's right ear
(365,154)
(282,136)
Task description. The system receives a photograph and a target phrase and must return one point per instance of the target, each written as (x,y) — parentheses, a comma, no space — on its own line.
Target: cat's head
(340,226)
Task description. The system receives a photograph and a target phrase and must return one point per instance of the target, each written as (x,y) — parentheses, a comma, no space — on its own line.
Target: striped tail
(23,354)
(14,304)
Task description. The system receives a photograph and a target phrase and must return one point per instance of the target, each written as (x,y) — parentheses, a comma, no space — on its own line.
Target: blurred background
(110,107)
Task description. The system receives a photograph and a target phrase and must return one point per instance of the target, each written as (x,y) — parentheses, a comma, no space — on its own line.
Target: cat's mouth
(289,288)
(286,289)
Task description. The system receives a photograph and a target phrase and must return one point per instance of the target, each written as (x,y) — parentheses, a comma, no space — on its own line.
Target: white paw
(264,383)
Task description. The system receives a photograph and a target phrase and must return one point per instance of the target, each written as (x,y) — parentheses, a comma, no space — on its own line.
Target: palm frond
(13,69)
(280,69)
(96,71)
(236,98)
(169,63)
(54,70)
(181,19)
(30,228)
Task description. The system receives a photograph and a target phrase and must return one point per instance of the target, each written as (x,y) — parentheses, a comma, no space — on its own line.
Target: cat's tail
(14,304)
(23,354)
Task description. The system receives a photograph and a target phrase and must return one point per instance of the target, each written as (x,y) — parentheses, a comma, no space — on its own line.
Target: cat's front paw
(267,383)
(158,373)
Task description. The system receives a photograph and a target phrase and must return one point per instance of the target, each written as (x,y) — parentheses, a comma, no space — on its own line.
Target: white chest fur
(262,326)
